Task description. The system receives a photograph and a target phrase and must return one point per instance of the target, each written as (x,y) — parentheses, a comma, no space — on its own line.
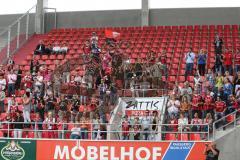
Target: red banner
(118,150)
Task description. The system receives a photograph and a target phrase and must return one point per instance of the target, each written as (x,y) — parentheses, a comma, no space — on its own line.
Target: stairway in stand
(27,48)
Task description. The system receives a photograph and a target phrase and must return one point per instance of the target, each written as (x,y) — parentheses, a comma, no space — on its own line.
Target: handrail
(16,21)
(10,45)
(223,118)
(119,131)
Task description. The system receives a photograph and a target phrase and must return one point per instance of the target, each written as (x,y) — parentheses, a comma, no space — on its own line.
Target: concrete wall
(182,16)
(194,16)
(95,19)
(229,145)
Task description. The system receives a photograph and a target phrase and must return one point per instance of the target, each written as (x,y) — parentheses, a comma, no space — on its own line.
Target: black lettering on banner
(155,104)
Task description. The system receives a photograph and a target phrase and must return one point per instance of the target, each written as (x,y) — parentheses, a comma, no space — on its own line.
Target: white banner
(144,104)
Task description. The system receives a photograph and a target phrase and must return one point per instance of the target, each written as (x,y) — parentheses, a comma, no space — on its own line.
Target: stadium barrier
(100,150)
(99,131)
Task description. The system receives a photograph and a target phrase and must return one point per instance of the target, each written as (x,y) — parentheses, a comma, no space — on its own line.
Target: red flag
(111,34)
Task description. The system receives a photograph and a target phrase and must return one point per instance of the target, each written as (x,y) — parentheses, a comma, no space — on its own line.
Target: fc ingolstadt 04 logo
(12,151)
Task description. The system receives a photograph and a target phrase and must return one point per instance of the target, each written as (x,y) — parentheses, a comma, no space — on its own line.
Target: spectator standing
(34,66)
(237,82)
(38,125)
(208,120)
(12,77)
(196,104)
(185,106)
(3,82)
(173,107)
(218,42)
(210,79)
(189,58)
(2,97)
(96,127)
(201,61)
(182,123)
(26,107)
(196,122)
(75,132)
(187,91)
(125,128)
(227,57)
(84,123)
(136,129)
(19,78)
(146,125)
(218,63)
(220,108)
(94,40)
(50,123)
(18,125)
(227,89)
(237,61)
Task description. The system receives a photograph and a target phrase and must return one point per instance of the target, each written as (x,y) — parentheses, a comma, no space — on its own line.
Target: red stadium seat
(195,137)
(170,137)
(183,137)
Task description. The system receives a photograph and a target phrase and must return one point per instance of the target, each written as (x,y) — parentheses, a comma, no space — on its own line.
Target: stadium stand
(83,84)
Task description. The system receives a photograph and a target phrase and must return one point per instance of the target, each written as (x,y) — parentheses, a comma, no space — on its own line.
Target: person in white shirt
(146,126)
(173,106)
(39,82)
(189,57)
(78,79)
(64,49)
(182,123)
(75,132)
(94,40)
(3,82)
(56,48)
(12,77)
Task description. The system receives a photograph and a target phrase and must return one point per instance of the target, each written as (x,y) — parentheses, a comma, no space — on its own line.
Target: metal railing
(16,34)
(100,131)
(229,121)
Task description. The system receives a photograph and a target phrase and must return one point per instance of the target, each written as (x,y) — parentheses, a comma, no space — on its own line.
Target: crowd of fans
(36,95)
(214,94)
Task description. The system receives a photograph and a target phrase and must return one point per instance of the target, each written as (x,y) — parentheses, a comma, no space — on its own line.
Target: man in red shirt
(196,104)
(208,105)
(220,108)
(125,128)
(228,61)
(237,61)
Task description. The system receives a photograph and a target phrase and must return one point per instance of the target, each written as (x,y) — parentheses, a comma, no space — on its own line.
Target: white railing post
(208,132)
(8,129)
(8,43)
(27,25)
(18,33)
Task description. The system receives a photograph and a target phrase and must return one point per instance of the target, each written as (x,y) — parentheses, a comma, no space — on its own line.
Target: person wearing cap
(211,151)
